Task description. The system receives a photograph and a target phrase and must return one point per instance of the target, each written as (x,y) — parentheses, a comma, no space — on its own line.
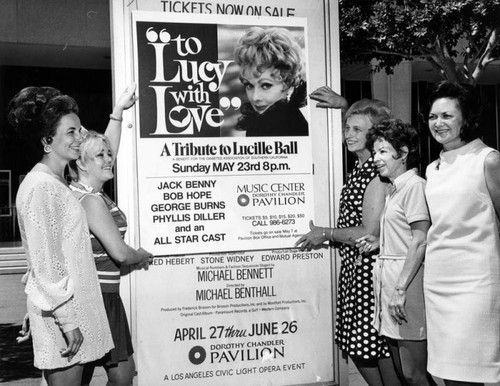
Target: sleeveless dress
(109,278)
(355,334)
(462,268)
(61,281)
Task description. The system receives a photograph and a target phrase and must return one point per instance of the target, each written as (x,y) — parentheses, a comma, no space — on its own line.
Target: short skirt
(119,330)
(385,275)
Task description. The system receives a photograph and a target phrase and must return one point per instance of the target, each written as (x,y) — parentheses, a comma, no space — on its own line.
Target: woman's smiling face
(445,123)
(67,138)
(264,90)
(96,159)
(355,130)
(386,159)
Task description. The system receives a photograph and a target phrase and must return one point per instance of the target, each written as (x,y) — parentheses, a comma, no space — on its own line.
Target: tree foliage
(439,31)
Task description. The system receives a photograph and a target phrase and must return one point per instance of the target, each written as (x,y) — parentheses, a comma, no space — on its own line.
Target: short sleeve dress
(61,282)
(404,204)
(355,334)
(462,269)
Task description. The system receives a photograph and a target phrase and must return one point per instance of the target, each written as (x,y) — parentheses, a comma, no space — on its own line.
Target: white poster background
(211,193)
(180,314)
(281,338)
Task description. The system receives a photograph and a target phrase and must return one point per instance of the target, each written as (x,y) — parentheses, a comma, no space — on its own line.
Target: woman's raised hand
(128,98)
(327,98)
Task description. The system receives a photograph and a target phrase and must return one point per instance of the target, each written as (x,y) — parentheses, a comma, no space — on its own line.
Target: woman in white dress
(462,264)
(66,311)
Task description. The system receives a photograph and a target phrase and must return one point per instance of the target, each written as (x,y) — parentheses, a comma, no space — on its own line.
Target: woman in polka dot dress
(361,202)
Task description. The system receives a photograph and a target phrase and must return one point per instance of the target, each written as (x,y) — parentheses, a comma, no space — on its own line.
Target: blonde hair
(89,143)
(376,110)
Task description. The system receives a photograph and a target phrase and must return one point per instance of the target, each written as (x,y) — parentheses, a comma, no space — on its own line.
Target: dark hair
(398,134)
(34,112)
(469,102)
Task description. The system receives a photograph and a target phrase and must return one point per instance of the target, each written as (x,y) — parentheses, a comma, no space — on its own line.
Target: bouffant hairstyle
(399,134)
(469,102)
(35,112)
(260,49)
(90,142)
(374,109)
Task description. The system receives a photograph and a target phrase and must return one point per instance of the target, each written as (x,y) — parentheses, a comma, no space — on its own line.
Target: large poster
(222,188)
(224,164)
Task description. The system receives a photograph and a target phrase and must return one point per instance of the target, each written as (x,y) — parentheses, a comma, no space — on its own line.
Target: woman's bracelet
(330,238)
(115,118)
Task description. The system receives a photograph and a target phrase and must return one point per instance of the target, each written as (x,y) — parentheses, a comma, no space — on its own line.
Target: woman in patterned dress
(66,312)
(361,203)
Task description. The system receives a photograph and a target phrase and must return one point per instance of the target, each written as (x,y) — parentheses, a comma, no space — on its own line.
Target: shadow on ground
(16,360)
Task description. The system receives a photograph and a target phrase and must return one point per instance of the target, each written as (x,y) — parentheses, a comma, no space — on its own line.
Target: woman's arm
(491,168)
(373,204)
(50,287)
(114,128)
(104,228)
(414,259)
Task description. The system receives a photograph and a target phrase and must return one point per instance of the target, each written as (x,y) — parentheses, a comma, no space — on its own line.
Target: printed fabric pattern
(61,282)
(355,334)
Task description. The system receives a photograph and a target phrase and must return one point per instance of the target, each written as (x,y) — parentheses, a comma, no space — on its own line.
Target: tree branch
(485,58)
(434,63)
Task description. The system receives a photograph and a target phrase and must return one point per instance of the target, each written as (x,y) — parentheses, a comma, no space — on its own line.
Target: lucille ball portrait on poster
(209,80)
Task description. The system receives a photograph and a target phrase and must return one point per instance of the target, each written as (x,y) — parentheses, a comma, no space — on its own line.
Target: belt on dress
(392,257)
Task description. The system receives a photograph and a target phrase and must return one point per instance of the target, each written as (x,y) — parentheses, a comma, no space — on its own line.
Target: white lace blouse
(61,282)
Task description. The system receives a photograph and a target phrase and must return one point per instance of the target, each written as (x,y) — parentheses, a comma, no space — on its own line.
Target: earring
(47,149)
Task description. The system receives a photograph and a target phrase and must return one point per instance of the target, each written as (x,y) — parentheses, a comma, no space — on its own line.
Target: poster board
(244,307)
(205,185)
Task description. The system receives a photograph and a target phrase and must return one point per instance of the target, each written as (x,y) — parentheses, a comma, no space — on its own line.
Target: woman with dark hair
(398,271)
(66,312)
(462,264)
(361,203)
